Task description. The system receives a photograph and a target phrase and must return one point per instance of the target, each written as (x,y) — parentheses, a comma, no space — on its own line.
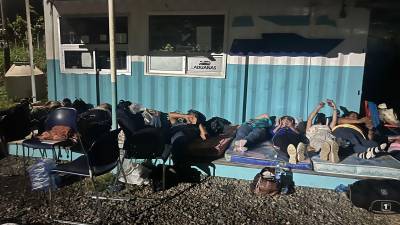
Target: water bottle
(278,171)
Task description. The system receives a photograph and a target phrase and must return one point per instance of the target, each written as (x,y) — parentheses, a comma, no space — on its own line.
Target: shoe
(325,150)
(239,149)
(334,153)
(292,152)
(240,143)
(301,151)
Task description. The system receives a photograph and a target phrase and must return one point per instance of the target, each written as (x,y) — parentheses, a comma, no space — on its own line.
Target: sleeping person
(320,134)
(289,140)
(252,133)
(359,133)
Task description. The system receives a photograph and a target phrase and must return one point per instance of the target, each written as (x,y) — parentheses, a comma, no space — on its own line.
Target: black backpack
(379,196)
(216,125)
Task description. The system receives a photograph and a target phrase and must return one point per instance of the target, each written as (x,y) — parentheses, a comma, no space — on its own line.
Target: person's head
(351,115)
(104,106)
(51,105)
(320,119)
(287,121)
(66,102)
(200,118)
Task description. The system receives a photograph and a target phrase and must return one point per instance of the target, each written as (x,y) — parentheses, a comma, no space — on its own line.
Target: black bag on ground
(216,125)
(379,196)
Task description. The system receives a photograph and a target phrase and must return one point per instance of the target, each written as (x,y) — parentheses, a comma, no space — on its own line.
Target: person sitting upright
(252,133)
(320,134)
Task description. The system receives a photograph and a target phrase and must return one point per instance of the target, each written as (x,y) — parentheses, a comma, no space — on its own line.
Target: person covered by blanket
(252,132)
(184,129)
(320,134)
(359,134)
(288,139)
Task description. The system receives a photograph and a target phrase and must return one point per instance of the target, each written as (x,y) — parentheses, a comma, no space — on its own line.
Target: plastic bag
(40,174)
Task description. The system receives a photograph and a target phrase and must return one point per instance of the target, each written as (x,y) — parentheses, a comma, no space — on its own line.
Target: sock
(371,152)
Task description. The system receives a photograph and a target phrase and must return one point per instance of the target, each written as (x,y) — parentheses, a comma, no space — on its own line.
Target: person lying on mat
(184,129)
(320,134)
(288,139)
(252,133)
(359,133)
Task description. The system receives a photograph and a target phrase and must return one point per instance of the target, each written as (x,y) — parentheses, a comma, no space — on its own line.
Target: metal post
(113,70)
(28,24)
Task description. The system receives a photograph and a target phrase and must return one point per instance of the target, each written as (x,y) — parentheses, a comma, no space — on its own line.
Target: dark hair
(320,118)
(351,112)
(201,118)
(289,118)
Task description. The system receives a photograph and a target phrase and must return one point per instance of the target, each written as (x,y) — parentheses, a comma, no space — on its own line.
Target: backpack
(216,125)
(264,183)
(378,196)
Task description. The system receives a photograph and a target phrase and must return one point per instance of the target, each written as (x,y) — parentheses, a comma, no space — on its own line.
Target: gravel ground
(213,201)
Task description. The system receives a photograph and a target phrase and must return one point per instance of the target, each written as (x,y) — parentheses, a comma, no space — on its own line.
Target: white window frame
(82,48)
(185,73)
(148,59)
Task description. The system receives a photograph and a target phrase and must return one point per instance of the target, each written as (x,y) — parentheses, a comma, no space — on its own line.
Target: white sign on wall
(204,64)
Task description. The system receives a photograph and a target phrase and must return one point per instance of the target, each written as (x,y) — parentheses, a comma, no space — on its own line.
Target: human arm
(334,114)
(313,114)
(203,132)
(263,116)
(278,126)
(352,121)
(173,117)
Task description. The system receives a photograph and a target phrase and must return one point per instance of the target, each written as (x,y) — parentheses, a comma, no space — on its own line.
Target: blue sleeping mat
(265,155)
(384,166)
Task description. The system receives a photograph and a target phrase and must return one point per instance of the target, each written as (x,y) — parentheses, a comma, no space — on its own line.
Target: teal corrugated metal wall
(296,90)
(213,97)
(275,89)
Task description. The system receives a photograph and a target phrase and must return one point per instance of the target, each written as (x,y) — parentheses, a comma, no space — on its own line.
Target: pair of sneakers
(239,146)
(330,151)
(296,154)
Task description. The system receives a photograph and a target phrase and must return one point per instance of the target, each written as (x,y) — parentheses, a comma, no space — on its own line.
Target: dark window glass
(78,60)
(186,33)
(91,30)
(103,60)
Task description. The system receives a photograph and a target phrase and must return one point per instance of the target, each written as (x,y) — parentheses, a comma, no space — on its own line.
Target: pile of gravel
(213,201)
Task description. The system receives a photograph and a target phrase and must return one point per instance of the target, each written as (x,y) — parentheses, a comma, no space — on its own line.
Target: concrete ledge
(223,168)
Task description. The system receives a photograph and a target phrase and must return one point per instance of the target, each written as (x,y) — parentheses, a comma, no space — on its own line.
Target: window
(85,44)
(186,44)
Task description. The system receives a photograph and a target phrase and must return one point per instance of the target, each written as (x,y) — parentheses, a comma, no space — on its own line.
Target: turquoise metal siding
(275,89)
(343,84)
(213,97)
(296,90)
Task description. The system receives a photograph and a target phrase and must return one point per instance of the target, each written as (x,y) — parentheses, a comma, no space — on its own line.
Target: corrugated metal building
(229,58)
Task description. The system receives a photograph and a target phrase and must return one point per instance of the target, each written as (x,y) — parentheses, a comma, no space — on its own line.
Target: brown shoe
(325,150)
(334,153)
(301,151)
